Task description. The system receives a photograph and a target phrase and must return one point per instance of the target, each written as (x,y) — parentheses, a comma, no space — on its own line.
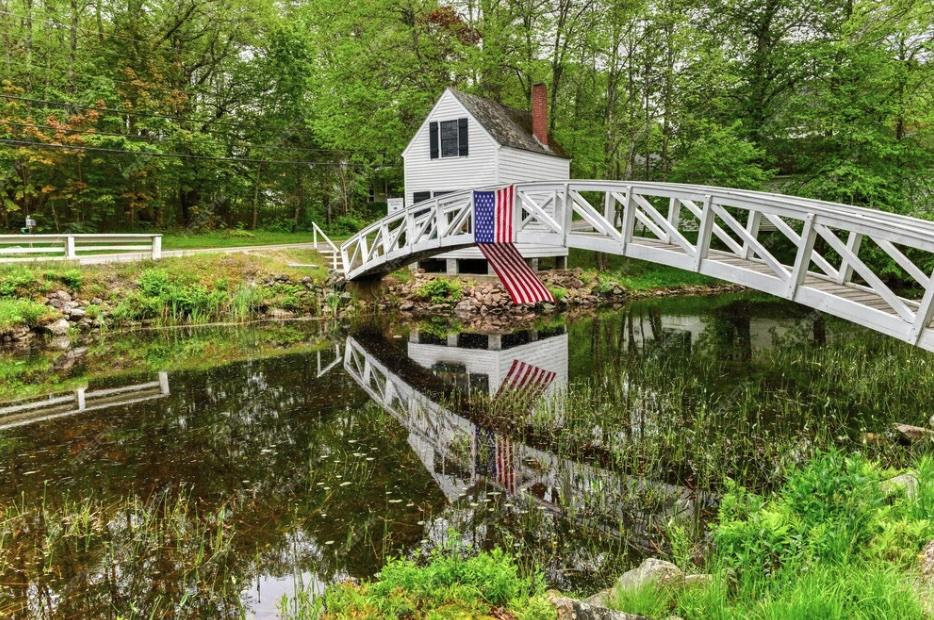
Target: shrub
(440,290)
(558,292)
(17,280)
(447,586)
(70,277)
(23,312)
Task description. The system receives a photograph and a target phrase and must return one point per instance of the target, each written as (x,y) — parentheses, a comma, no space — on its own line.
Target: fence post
(70,247)
(156,247)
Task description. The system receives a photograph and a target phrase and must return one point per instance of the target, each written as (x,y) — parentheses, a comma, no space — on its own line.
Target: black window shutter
(433,139)
(462,136)
(418,197)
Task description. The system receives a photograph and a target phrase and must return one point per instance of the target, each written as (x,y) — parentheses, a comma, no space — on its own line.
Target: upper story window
(448,138)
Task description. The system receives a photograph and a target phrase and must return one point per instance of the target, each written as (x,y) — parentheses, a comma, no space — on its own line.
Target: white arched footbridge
(809,251)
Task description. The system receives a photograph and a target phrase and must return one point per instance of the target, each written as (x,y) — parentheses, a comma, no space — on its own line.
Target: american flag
(496,458)
(493,215)
(494,234)
(526,381)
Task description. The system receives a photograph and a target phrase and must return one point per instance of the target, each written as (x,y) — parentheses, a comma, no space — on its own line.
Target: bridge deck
(850,292)
(680,225)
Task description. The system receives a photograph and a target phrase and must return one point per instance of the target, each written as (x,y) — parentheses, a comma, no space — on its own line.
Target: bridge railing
(726,233)
(32,248)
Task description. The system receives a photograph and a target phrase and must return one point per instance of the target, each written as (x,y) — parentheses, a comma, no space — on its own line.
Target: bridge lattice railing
(792,247)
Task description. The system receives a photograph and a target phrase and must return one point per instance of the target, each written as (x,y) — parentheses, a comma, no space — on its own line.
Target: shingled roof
(508,126)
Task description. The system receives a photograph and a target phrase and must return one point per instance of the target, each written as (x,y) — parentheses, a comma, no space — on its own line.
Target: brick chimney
(540,113)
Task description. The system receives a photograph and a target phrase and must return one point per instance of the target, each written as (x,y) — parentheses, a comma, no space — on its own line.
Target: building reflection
(467,460)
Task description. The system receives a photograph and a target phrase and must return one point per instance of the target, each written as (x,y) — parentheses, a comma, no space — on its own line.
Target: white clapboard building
(467,142)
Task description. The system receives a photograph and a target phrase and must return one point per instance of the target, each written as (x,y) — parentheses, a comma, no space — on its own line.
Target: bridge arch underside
(811,252)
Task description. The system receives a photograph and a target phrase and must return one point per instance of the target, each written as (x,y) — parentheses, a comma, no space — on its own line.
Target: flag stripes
(520,281)
(526,380)
(504,202)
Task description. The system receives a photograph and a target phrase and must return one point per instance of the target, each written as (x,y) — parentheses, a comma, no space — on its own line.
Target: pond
(209,471)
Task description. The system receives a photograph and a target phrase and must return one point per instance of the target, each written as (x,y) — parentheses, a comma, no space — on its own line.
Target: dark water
(328,450)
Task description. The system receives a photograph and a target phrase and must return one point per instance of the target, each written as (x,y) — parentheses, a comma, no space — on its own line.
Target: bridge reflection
(467,460)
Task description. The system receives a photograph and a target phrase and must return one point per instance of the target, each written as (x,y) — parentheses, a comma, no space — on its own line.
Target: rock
(465,306)
(926,560)
(76,313)
(914,434)
(62,295)
(906,483)
(406,305)
(58,328)
(547,307)
(279,314)
(601,598)
(573,609)
(701,580)
(652,570)
(56,303)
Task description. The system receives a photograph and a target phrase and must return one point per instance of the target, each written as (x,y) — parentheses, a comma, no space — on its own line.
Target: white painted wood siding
(517,166)
(424,174)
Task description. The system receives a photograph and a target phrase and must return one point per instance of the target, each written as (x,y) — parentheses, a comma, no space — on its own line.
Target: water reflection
(291,443)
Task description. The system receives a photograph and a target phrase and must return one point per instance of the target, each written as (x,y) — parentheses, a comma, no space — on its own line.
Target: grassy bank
(231,238)
(634,275)
(832,542)
(194,289)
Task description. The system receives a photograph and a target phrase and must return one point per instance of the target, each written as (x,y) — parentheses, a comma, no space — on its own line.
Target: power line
(19,63)
(32,144)
(155,140)
(67,105)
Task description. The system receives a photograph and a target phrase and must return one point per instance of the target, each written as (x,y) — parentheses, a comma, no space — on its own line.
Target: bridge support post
(803,259)
(853,242)
(704,233)
(451,267)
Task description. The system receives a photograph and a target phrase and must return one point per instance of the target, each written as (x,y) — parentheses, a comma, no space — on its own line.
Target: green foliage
(440,290)
(17,280)
(23,312)
(559,293)
(828,544)
(447,586)
(719,156)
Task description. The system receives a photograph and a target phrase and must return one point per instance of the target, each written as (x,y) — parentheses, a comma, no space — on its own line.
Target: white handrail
(659,222)
(335,251)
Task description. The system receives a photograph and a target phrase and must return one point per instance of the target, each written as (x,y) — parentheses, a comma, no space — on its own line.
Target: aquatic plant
(448,585)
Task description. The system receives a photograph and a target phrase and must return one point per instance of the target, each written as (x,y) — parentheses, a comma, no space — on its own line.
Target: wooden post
(752,227)
(70,247)
(674,216)
(156,247)
(629,217)
(704,232)
(853,243)
(925,312)
(803,258)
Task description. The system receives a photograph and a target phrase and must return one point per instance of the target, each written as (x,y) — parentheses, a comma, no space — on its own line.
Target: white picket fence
(32,248)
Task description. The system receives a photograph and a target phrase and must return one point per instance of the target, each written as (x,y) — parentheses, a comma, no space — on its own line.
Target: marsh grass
(83,558)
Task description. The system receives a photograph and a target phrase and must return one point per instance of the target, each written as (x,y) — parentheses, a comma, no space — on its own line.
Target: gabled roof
(508,126)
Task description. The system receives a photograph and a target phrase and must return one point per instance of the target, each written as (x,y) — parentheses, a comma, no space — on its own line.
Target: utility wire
(154,140)
(67,105)
(33,144)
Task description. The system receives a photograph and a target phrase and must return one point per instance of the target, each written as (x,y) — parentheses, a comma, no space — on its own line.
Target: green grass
(635,275)
(830,543)
(193,289)
(23,313)
(231,238)
(447,586)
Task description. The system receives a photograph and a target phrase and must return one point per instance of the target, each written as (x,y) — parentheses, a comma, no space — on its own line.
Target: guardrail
(332,248)
(32,248)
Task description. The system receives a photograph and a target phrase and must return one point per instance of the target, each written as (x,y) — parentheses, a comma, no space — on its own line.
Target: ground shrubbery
(440,290)
(447,586)
(833,542)
(23,312)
